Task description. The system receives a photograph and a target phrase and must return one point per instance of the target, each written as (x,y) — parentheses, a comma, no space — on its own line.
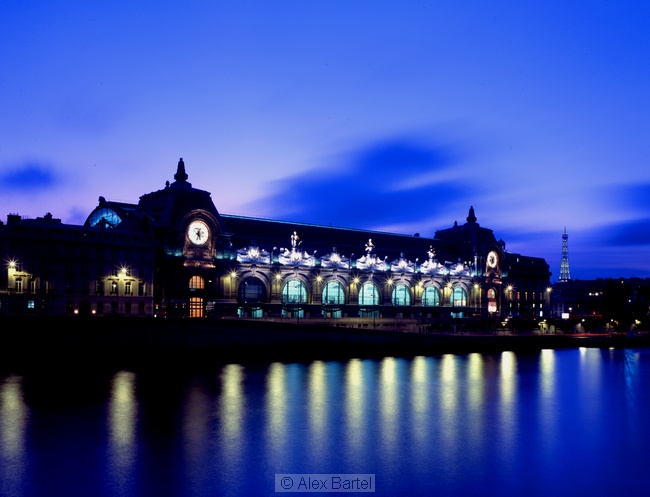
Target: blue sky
(372,114)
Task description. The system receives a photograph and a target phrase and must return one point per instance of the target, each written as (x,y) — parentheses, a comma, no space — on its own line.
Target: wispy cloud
(29,177)
(384,183)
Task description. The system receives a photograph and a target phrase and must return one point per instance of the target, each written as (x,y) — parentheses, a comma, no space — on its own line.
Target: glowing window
(458,297)
(368,294)
(294,292)
(431,296)
(401,295)
(197,283)
(196,307)
(104,217)
(333,294)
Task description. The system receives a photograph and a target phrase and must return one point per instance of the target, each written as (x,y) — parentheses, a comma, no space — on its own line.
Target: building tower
(565,274)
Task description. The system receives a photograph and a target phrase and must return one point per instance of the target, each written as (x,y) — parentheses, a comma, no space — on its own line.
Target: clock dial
(492,259)
(198,232)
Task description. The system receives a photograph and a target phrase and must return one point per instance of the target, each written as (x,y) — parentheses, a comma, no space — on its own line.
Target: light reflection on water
(122,422)
(563,422)
(14,416)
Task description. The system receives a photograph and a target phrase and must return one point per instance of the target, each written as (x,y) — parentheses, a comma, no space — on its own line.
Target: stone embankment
(41,342)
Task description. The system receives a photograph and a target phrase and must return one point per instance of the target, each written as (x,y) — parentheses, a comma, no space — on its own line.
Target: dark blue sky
(381,115)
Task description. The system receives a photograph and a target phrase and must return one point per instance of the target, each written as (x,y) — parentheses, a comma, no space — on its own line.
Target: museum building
(174,254)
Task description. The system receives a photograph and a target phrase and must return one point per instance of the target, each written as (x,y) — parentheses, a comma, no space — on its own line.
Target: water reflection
(317,406)
(448,403)
(13,424)
(276,407)
(355,406)
(420,398)
(389,407)
(122,414)
(196,432)
(564,422)
(590,384)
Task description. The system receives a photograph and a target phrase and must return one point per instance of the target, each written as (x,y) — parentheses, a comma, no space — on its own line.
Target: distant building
(174,254)
(603,304)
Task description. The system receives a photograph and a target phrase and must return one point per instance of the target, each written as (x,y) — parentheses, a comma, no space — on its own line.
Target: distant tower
(565,274)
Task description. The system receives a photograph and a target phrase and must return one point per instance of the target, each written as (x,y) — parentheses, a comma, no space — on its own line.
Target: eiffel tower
(565,274)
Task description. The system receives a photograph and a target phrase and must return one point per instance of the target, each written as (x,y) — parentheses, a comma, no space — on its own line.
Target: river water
(566,423)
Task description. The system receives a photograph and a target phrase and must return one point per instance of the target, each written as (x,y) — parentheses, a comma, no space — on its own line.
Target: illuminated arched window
(251,290)
(431,296)
(333,294)
(458,297)
(368,294)
(294,292)
(104,217)
(197,283)
(401,295)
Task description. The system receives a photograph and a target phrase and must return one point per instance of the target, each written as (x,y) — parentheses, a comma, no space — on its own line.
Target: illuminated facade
(174,254)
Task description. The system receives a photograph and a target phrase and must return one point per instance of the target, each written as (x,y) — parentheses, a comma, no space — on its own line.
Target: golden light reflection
(420,397)
(547,370)
(122,412)
(389,405)
(448,390)
(122,418)
(276,405)
(231,401)
(508,376)
(476,381)
(13,419)
(448,384)
(318,397)
(355,403)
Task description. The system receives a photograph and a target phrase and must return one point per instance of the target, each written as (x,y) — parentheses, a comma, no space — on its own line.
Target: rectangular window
(32,286)
(100,307)
(196,307)
(127,288)
(141,290)
(127,307)
(141,308)
(19,286)
(30,304)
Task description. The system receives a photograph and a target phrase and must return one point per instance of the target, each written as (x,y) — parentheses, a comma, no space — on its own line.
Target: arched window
(104,217)
(294,292)
(333,294)
(368,294)
(458,297)
(401,295)
(431,296)
(252,290)
(197,283)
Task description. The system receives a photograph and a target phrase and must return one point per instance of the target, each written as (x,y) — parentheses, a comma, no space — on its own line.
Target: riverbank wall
(43,342)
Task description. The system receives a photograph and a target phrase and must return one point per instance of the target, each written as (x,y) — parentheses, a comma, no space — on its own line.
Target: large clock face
(492,259)
(198,232)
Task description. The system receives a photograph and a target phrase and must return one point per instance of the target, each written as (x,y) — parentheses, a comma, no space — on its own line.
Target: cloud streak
(383,183)
(29,177)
